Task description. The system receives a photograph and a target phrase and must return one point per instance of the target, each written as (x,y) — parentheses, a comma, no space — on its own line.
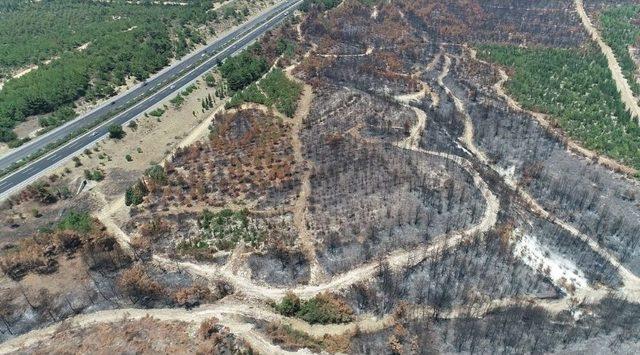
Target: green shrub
(223,230)
(188,90)
(210,80)
(289,306)
(18,142)
(76,161)
(76,221)
(135,194)
(95,175)
(177,101)
(157,112)
(285,47)
(116,131)
(325,308)
(157,174)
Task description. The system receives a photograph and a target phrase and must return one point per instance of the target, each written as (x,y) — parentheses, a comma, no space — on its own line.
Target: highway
(156,89)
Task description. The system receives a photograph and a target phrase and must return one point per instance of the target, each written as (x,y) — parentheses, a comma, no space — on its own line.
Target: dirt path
(435,60)
(415,134)
(467,135)
(545,121)
(367,52)
(631,288)
(626,94)
(307,240)
(105,216)
(226,311)
(406,99)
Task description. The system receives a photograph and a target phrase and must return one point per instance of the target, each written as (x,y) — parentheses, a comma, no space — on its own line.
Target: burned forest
(381,177)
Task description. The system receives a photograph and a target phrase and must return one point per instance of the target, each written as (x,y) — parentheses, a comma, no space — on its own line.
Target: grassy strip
(575,87)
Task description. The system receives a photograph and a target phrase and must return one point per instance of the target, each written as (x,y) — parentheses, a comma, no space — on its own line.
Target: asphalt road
(155,90)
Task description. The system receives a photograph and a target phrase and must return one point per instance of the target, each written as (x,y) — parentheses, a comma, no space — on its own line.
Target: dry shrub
(138,285)
(193,296)
(142,247)
(27,256)
(39,253)
(288,338)
(217,339)
(102,251)
(337,343)
(154,229)
(208,328)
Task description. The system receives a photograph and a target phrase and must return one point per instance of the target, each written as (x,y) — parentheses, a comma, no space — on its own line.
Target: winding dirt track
(616,71)
(317,272)
(467,136)
(226,312)
(229,309)
(631,288)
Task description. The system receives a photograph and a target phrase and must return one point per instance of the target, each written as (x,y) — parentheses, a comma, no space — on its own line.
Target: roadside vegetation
(320,4)
(245,68)
(92,58)
(116,131)
(619,27)
(575,87)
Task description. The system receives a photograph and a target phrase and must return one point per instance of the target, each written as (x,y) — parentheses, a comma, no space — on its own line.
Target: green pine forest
(620,28)
(124,40)
(575,87)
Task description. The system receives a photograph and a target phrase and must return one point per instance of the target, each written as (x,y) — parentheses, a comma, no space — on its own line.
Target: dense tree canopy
(89,58)
(620,32)
(576,88)
(244,69)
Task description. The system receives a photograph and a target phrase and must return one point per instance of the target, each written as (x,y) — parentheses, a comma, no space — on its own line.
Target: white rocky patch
(562,272)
